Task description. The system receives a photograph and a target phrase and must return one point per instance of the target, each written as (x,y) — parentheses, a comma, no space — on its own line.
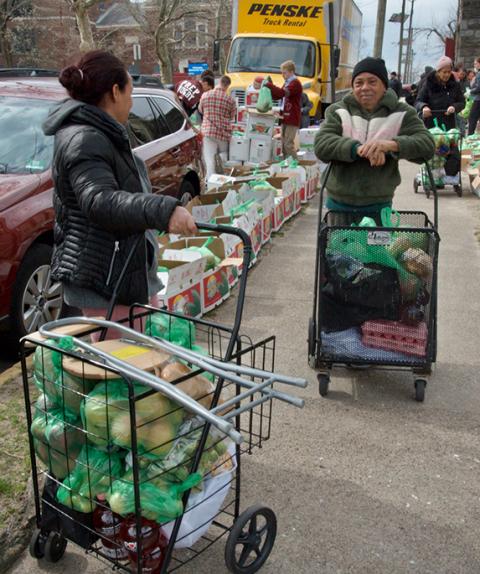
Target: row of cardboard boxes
(471,165)
(195,284)
(257,137)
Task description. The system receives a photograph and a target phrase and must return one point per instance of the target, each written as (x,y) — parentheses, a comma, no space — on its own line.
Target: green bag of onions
(159,504)
(173,329)
(106,418)
(94,474)
(57,437)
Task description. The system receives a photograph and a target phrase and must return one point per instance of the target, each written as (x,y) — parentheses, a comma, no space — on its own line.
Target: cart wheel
(415,184)
(55,547)
(311,340)
(37,544)
(251,540)
(458,190)
(420,385)
(323,382)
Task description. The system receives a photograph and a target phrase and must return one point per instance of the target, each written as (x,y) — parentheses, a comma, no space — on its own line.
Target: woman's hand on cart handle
(426,112)
(182,223)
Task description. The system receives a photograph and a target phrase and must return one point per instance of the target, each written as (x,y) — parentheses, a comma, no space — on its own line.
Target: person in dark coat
(306,106)
(423,77)
(441,96)
(104,207)
(395,84)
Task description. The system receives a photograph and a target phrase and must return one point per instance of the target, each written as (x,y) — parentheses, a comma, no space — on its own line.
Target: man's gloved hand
(182,223)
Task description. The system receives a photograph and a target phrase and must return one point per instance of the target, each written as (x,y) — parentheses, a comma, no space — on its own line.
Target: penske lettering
(286,10)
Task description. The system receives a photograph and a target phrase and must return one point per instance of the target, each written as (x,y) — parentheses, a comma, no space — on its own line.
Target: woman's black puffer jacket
(439,96)
(100,207)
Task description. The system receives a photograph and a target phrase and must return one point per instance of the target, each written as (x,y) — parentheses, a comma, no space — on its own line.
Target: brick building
(47,35)
(468,36)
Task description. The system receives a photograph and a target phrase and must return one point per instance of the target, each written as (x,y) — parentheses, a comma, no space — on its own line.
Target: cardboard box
(285,187)
(266,200)
(260,126)
(277,150)
(242,114)
(260,150)
(182,291)
(215,287)
(217,180)
(307,137)
(251,223)
(239,148)
(209,205)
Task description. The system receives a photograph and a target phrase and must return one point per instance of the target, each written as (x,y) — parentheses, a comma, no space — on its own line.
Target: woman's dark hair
(93,76)
(210,80)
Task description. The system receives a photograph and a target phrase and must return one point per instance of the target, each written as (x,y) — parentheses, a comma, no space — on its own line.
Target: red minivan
(162,136)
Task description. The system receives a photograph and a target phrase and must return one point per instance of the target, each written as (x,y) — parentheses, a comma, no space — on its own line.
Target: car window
(24,148)
(173,116)
(163,128)
(142,122)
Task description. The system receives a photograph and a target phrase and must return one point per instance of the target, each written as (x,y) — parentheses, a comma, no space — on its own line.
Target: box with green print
(182,286)
(215,287)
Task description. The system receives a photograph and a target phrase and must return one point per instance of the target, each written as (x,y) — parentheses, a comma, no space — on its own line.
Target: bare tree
(441,31)
(9,11)
(157,19)
(80,9)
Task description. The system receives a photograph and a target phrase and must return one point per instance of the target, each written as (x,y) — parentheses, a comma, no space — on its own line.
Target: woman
(103,203)
(441,96)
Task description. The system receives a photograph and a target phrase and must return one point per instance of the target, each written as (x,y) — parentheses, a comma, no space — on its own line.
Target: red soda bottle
(153,541)
(107,524)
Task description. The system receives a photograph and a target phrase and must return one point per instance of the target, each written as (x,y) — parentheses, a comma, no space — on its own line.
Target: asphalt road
(366,480)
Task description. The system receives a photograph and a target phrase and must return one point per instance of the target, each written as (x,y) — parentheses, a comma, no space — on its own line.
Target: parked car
(162,136)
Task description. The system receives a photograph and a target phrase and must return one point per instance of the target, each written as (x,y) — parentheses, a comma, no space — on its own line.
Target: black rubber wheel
(323,383)
(55,546)
(311,338)
(187,192)
(458,190)
(415,185)
(37,298)
(420,385)
(37,544)
(251,540)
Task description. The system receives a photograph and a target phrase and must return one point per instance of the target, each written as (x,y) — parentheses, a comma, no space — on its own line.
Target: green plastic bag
(465,113)
(57,438)
(172,329)
(212,260)
(265,101)
(94,474)
(159,504)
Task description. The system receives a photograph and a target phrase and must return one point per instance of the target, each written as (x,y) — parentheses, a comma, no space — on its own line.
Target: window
(23,41)
(191,33)
(142,122)
(24,148)
(174,119)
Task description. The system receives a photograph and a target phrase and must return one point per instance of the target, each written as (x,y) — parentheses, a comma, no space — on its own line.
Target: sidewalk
(366,480)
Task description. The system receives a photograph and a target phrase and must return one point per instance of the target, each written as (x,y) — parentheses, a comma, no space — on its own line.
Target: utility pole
(408,61)
(380,28)
(400,47)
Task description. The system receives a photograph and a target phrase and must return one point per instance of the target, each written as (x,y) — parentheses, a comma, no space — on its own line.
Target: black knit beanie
(375,66)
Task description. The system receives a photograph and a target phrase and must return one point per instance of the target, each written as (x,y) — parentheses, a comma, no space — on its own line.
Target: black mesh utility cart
(375,297)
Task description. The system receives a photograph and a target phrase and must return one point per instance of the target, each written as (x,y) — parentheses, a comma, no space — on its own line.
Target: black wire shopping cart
(375,294)
(446,163)
(142,466)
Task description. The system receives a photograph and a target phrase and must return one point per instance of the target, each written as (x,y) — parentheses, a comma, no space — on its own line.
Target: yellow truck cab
(266,34)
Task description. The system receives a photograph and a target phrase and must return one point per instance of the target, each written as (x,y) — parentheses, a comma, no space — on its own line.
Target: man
(475,95)
(306,106)
(395,84)
(423,77)
(207,80)
(218,111)
(291,92)
(189,92)
(364,135)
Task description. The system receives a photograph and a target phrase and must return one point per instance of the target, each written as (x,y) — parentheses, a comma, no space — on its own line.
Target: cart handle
(124,368)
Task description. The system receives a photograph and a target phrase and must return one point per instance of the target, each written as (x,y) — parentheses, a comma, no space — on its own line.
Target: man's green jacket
(353,180)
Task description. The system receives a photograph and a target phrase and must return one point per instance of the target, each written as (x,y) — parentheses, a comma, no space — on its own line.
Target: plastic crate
(395,336)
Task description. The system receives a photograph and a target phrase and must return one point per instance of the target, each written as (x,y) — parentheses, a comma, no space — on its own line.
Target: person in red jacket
(291,92)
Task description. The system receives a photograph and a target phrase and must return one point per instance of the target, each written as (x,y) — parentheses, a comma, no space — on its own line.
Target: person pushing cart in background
(364,136)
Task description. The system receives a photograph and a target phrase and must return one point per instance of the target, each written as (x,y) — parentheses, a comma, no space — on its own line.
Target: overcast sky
(427,50)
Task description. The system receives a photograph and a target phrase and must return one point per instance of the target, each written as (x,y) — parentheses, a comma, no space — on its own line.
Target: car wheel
(187,192)
(36,299)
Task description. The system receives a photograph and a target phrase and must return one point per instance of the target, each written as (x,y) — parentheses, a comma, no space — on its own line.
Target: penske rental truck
(265,34)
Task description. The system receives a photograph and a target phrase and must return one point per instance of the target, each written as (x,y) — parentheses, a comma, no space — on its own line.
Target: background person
(102,196)
(306,106)
(291,92)
(189,92)
(364,135)
(441,96)
(218,112)
(395,84)
(475,94)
